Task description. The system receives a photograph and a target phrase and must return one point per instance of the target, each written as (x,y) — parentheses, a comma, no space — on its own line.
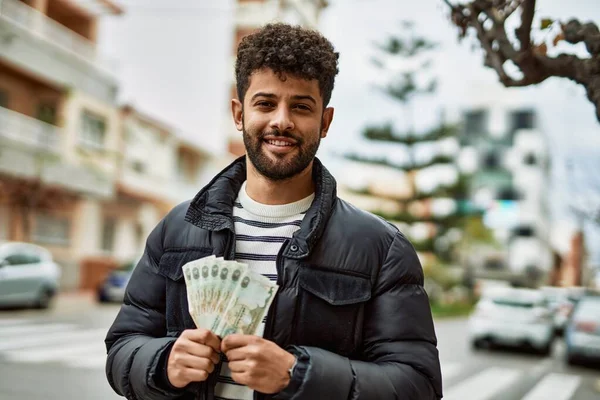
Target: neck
(266,191)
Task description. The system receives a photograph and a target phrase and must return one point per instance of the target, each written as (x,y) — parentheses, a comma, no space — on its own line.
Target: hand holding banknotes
(193,357)
(257,363)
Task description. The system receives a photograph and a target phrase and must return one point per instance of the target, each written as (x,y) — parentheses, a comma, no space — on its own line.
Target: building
(251,15)
(80,175)
(510,185)
(59,125)
(158,170)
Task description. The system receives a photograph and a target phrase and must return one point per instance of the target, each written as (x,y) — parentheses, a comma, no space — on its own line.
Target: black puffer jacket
(351,304)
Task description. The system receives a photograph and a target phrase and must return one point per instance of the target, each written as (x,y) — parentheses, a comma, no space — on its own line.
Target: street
(59,354)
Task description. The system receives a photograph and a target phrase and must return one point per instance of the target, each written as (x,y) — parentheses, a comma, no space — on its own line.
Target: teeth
(279,143)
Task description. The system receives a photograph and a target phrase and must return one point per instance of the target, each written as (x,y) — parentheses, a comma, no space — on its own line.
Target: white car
(512,317)
(582,333)
(28,275)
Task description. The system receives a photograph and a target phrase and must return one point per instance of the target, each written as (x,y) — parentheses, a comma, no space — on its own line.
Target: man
(351,319)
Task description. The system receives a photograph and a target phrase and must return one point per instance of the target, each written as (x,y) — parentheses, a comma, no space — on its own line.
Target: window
(22,259)
(524,231)
(93,130)
(46,112)
(491,160)
(3,99)
(508,193)
(530,159)
(138,166)
(51,229)
(476,122)
(186,166)
(108,234)
(522,119)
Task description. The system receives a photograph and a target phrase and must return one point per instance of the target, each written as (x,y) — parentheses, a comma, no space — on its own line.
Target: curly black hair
(287,49)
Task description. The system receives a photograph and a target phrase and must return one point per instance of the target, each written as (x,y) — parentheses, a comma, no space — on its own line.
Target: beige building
(158,170)
(251,15)
(80,175)
(59,125)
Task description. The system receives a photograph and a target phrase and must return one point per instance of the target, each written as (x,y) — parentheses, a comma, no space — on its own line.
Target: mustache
(278,133)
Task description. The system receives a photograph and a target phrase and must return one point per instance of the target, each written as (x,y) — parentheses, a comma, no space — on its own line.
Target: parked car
(29,277)
(512,317)
(561,305)
(112,289)
(582,333)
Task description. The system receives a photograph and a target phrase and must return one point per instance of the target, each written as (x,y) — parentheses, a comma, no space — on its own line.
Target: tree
(406,82)
(488,20)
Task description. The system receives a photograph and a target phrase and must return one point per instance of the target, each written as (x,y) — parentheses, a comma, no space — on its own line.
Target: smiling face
(283,121)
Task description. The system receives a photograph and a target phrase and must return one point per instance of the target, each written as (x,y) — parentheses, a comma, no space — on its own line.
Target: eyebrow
(273,96)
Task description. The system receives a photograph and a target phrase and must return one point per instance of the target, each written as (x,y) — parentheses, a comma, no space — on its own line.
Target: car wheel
(571,360)
(546,350)
(479,344)
(44,299)
(101,296)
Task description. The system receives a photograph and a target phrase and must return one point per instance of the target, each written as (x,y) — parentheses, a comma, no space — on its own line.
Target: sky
(175,63)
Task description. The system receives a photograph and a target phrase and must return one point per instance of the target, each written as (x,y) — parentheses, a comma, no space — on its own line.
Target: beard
(284,166)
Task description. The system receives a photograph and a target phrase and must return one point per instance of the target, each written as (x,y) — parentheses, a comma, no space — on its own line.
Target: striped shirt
(260,231)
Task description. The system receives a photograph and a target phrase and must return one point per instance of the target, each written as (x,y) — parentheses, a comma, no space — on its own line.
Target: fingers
(234,341)
(193,375)
(238,367)
(236,354)
(199,363)
(200,350)
(203,336)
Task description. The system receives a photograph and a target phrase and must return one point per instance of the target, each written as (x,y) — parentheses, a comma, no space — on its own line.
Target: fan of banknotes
(226,296)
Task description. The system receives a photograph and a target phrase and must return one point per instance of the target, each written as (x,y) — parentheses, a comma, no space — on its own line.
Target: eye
(302,107)
(264,104)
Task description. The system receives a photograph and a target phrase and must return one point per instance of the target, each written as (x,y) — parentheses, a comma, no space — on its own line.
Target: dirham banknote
(226,296)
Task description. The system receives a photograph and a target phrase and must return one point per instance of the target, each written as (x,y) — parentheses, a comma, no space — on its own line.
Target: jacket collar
(212,208)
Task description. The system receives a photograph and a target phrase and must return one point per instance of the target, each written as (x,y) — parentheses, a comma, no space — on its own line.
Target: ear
(237,112)
(326,123)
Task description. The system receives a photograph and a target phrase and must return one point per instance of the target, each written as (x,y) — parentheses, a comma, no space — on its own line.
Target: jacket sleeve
(399,343)
(137,338)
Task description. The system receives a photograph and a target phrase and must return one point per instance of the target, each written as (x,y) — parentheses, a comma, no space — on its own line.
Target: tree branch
(531,60)
(576,32)
(524,31)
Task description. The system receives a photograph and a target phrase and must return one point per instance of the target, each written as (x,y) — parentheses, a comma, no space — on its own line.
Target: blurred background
(114,111)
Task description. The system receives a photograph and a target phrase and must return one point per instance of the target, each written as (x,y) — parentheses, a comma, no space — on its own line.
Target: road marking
(554,386)
(541,368)
(56,353)
(451,370)
(36,328)
(484,385)
(53,338)
(6,322)
(93,362)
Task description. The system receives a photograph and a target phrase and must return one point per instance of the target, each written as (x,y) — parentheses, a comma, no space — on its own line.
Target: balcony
(53,33)
(40,45)
(32,149)
(29,132)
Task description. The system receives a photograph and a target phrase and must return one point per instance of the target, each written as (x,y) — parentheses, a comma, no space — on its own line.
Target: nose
(282,120)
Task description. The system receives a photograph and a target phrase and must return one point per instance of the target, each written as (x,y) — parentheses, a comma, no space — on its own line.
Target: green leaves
(547,23)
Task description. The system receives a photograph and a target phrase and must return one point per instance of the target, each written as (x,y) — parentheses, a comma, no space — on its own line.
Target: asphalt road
(59,354)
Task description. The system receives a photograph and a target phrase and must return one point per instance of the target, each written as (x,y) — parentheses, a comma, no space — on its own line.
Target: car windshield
(515,303)
(518,299)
